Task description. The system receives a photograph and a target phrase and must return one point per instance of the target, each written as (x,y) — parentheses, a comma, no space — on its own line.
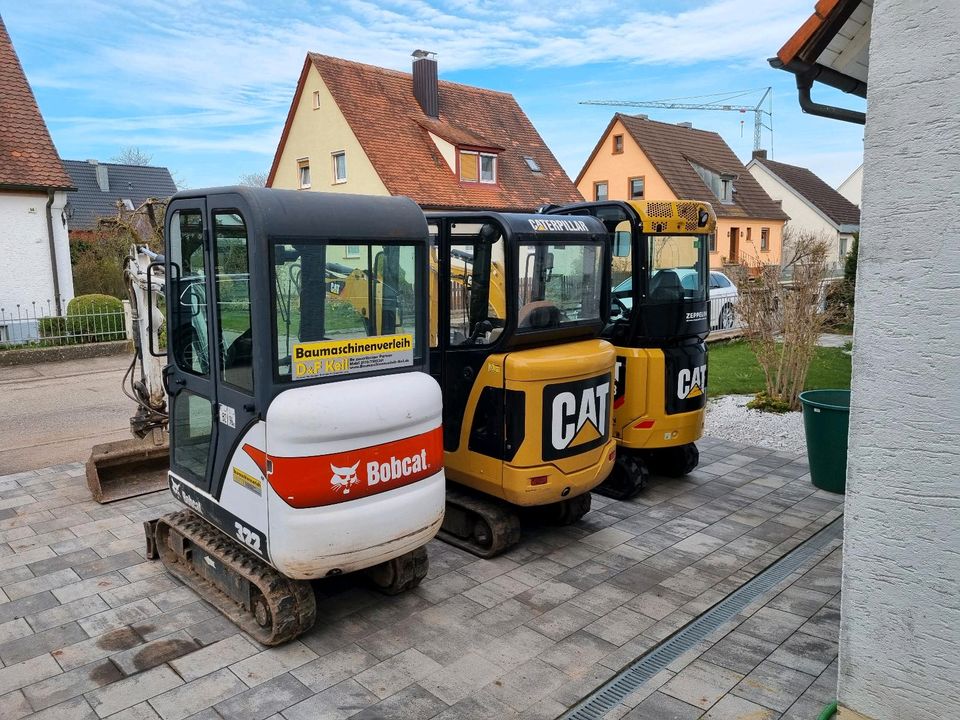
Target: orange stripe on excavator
(318,480)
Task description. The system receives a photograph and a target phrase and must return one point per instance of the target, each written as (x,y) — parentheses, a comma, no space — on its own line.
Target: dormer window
(478,167)
(531,163)
(720,184)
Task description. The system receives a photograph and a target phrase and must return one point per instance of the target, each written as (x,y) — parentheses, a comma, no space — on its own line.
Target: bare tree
(132,155)
(254,179)
(782,310)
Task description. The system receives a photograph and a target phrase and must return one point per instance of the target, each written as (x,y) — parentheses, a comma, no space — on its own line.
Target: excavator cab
(659,321)
(305,436)
(518,305)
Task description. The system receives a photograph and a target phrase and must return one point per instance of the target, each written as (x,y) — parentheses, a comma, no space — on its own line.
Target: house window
(843,247)
(531,163)
(617,144)
(749,234)
(636,188)
(720,184)
(713,242)
(488,168)
(351,252)
(316,99)
(339,167)
(600,190)
(765,239)
(303,173)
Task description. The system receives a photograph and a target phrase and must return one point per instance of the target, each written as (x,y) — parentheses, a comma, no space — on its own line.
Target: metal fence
(723,313)
(38,324)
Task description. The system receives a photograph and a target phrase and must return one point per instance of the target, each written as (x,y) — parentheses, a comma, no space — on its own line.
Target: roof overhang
(831,47)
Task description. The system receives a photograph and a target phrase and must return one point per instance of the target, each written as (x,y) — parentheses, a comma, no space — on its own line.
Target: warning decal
(248,481)
(344,357)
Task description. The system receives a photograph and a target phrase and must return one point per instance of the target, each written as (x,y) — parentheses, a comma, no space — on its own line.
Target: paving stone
(88,587)
(133,690)
(195,663)
(505,617)
(572,555)
(800,601)
(486,569)
(513,649)
(479,705)
(176,598)
(269,663)
(33,645)
(87,651)
(691,581)
(396,673)
(731,707)
(74,709)
(185,700)
(663,707)
(576,654)
(59,562)
(18,675)
(106,564)
(340,701)
(773,685)
(156,652)
(13,629)
(445,586)
(701,683)
(561,621)
(657,602)
(457,680)
(806,653)
(40,583)
(262,701)
(528,684)
(168,622)
(548,595)
(27,606)
(15,705)
(587,575)
(65,686)
(140,711)
(411,703)
(495,591)
(321,673)
(108,620)
(602,598)
(619,625)
(141,589)
(803,709)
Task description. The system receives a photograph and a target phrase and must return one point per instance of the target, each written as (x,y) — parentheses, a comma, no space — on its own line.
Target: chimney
(103,178)
(686,124)
(425,88)
(759,154)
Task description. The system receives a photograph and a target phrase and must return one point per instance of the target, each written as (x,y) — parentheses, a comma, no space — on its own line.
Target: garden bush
(95,318)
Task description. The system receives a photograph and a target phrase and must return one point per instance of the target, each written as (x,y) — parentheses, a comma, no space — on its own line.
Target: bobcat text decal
(577,416)
(338,477)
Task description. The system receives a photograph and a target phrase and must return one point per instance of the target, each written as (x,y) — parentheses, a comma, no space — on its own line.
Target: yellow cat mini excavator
(305,430)
(518,307)
(659,324)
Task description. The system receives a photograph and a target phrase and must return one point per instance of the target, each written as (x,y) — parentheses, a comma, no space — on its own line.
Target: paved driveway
(89,629)
(52,413)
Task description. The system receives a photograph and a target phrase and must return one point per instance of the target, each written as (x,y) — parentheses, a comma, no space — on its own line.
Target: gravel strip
(729,418)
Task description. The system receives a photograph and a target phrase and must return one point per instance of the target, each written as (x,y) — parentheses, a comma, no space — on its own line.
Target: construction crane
(721,104)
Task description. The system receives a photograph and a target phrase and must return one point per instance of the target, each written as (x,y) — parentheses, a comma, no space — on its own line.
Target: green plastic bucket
(826,422)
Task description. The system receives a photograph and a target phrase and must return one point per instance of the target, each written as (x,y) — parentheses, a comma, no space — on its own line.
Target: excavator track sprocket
(480,526)
(267,605)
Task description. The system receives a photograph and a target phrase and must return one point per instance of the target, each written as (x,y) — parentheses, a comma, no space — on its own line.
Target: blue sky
(204,86)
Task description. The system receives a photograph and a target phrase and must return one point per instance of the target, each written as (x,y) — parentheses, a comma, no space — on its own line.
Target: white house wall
(25,269)
(900,623)
(801,214)
(852,187)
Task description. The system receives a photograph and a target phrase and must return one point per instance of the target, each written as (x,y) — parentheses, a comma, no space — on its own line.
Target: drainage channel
(609,695)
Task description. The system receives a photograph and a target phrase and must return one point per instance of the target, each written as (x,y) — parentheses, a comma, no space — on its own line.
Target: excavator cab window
(477,300)
(560,284)
(187,327)
(233,299)
(323,291)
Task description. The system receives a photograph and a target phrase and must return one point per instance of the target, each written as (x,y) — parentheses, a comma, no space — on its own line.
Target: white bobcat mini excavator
(305,432)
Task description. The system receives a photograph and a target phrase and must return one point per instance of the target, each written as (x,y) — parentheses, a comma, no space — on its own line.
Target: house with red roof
(34,242)
(362,129)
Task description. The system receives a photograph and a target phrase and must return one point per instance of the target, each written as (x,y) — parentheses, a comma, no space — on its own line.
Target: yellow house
(641,159)
(358,128)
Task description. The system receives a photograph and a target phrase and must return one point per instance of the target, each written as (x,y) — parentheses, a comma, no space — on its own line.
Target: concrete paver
(88,627)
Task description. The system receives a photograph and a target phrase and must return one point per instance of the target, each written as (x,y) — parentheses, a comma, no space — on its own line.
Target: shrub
(95,318)
(53,326)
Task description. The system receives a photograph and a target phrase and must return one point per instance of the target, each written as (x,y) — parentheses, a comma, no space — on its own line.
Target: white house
(811,204)
(33,192)
(852,187)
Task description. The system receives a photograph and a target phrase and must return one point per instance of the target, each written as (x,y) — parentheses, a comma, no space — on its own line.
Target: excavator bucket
(127,468)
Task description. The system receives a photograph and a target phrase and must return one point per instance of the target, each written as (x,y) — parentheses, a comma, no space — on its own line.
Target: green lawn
(733,369)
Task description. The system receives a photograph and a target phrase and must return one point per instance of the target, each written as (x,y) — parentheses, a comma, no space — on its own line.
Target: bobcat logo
(344,478)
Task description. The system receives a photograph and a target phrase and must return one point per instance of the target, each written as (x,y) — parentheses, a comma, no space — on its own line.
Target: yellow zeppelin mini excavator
(518,304)
(659,324)
(305,430)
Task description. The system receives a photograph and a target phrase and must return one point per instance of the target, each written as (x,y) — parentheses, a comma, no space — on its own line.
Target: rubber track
(292,603)
(504,523)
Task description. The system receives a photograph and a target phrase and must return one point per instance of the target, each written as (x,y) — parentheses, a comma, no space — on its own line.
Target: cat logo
(344,478)
(691,382)
(578,416)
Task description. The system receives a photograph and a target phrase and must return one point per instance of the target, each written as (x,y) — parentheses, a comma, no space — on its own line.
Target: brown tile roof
(392,129)
(831,203)
(28,158)
(671,148)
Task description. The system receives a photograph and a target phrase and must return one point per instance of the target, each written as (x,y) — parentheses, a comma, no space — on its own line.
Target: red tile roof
(393,130)
(831,203)
(671,149)
(28,158)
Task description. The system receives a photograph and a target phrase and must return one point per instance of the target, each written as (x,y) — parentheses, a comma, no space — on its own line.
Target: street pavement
(90,629)
(53,413)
